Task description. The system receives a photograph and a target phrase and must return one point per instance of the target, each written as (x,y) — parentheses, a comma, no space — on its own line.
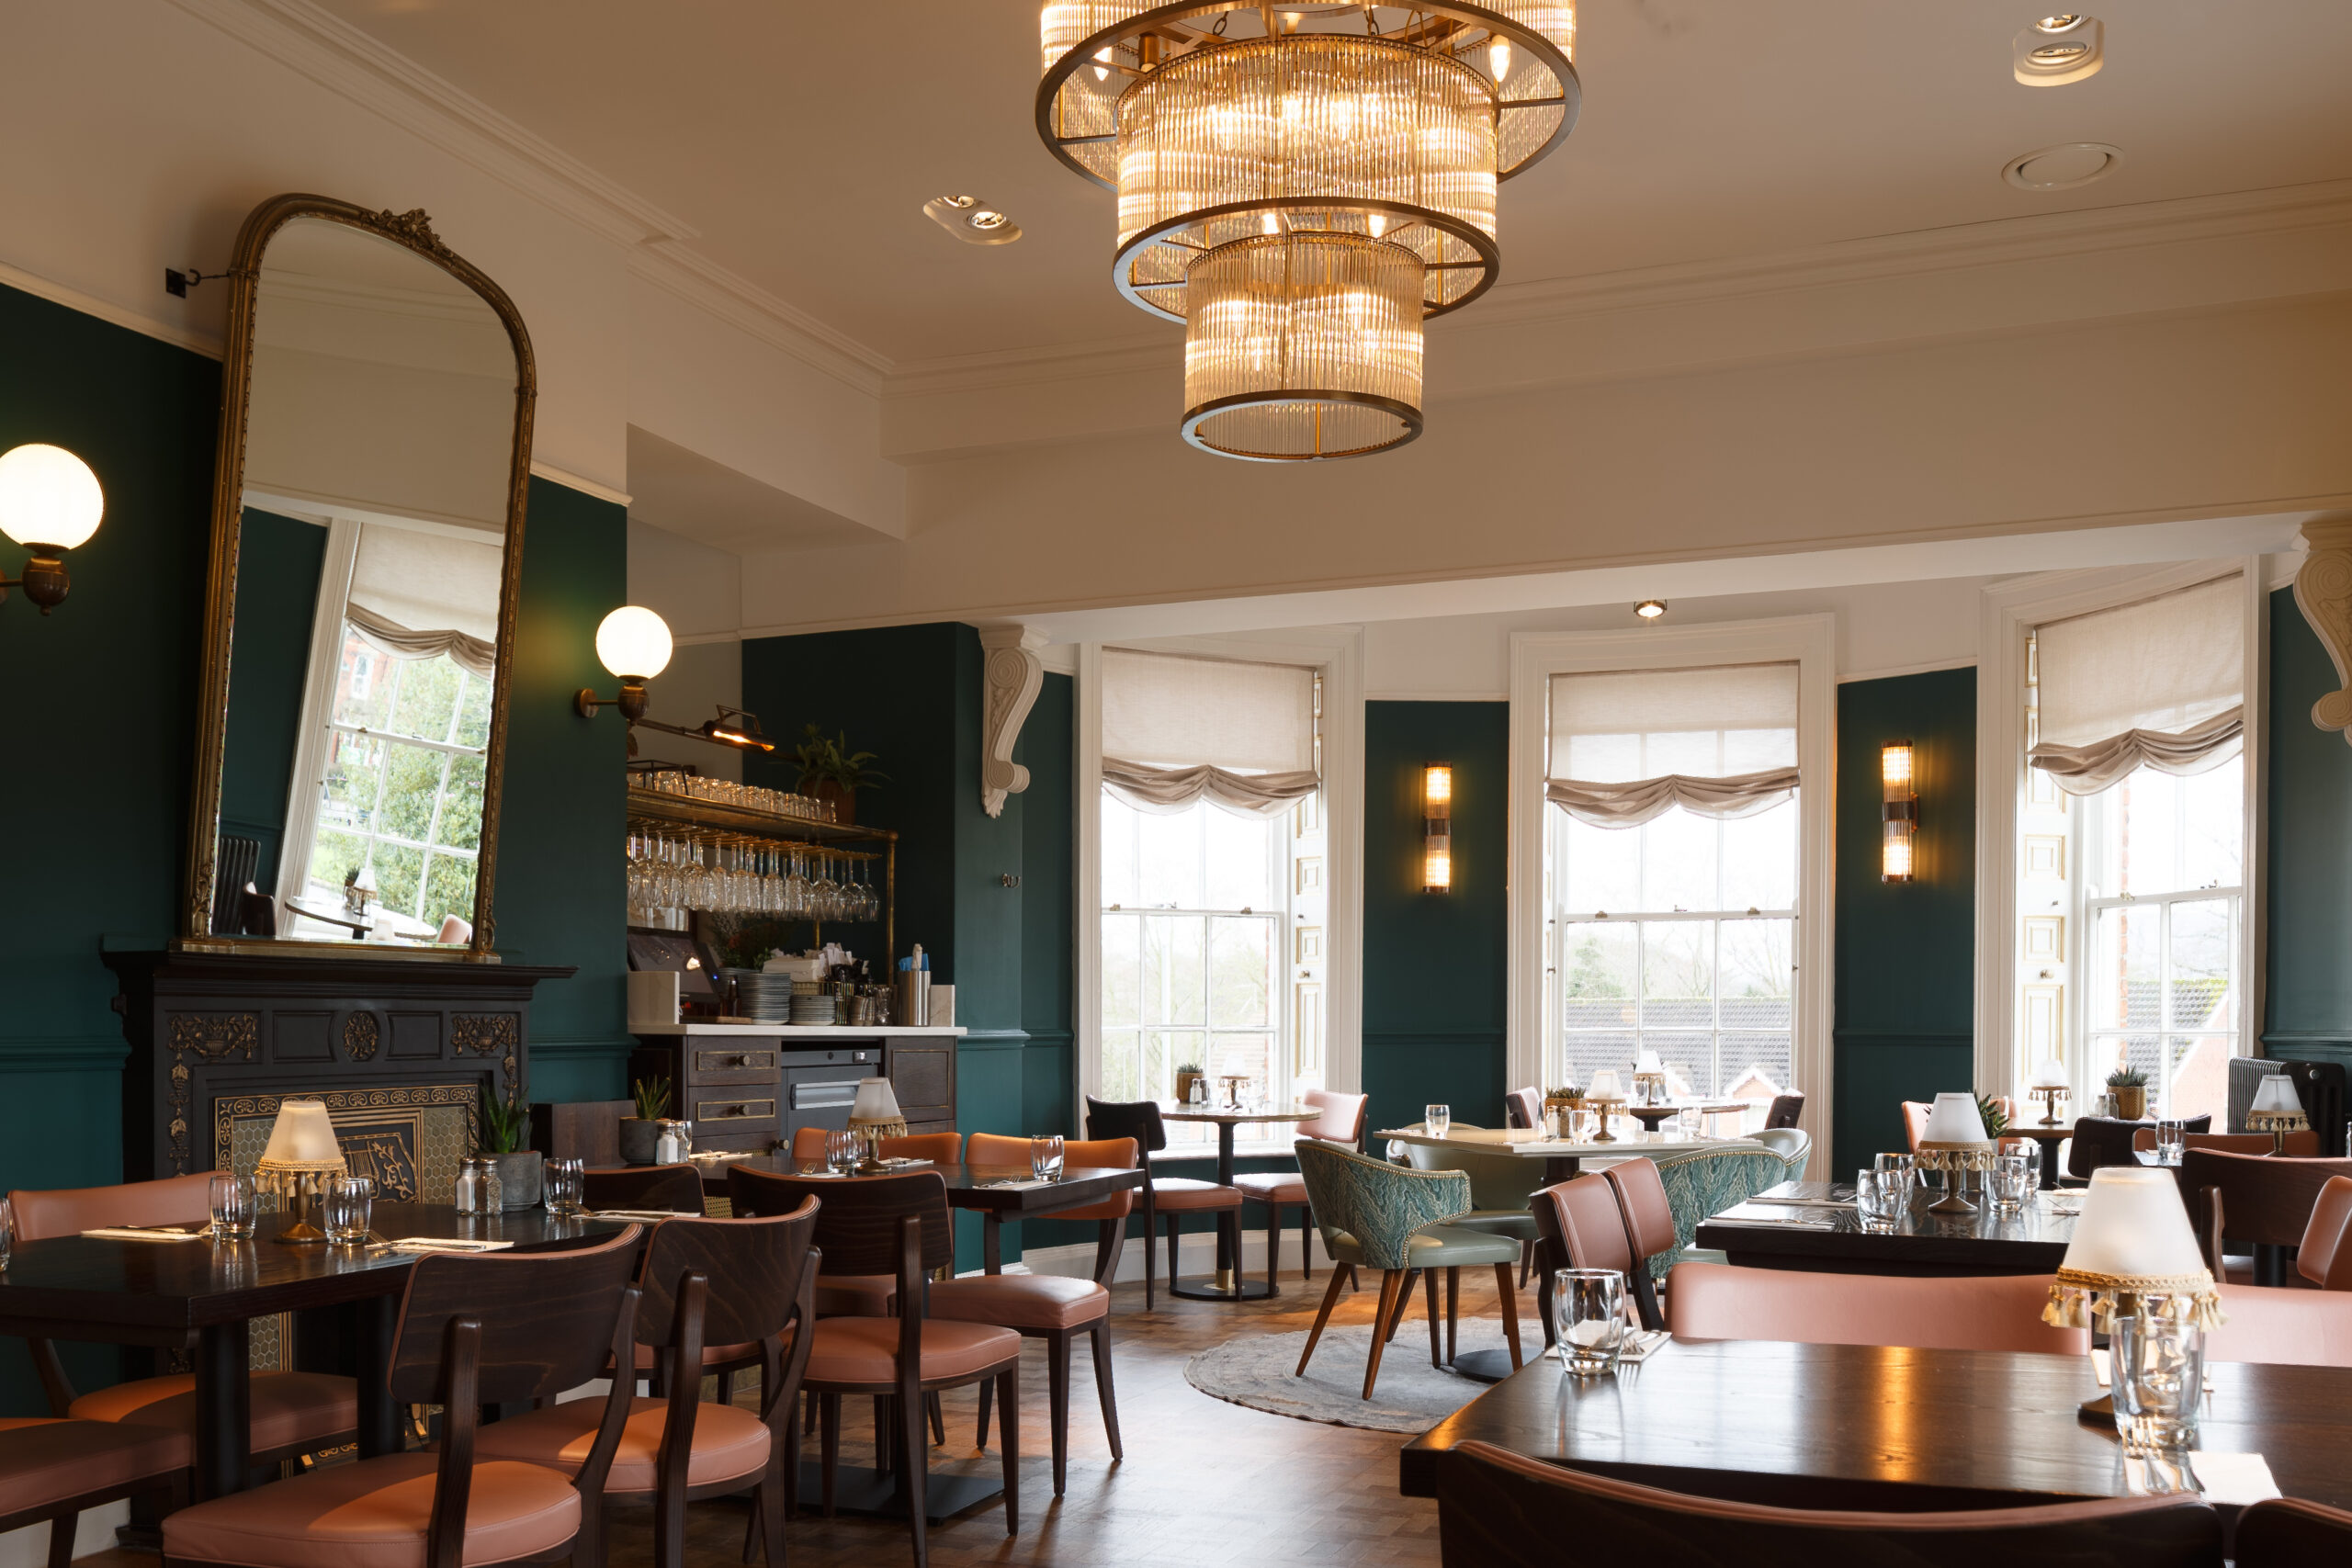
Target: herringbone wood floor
(1204,1484)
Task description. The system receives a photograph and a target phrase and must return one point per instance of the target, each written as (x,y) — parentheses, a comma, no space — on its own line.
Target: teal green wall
(1048,748)
(1433,962)
(278,562)
(2308,1010)
(1905,960)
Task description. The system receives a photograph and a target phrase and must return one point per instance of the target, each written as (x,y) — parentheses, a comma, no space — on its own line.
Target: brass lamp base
(302,1233)
(1602,1110)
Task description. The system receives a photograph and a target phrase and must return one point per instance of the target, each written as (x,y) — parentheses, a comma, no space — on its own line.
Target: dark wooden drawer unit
(756,1091)
(922,1069)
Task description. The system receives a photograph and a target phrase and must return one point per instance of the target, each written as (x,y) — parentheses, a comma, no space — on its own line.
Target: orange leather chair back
(68,1210)
(2298,1327)
(940,1149)
(1343,1118)
(1715,1301)
(1915,1121)
(2326,1256)
(1641,1203)
(1099,1153)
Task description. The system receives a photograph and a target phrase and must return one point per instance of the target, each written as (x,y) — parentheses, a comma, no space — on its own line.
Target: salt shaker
(478,1186)
(673,1142)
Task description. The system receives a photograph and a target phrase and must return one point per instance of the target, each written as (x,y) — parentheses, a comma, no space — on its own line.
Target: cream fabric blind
(1628,746)
(1178,729)
(416,594)
(2158,683)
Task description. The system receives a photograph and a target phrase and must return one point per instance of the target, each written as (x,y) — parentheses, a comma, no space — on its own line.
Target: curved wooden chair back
(1785,1111)
(2265,1201)
(754,1265)
(546,1319)
(2104,1140)
(1137,1119)
(1523,1108)
(2300,1145)
(677,1188)
(1504,1510)
(857,1217)
(2286,1532)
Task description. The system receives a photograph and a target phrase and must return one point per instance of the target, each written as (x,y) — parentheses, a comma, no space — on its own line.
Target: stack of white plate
(818,1009)
(767,998)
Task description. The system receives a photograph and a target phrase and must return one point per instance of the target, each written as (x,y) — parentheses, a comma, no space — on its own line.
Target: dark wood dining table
(1873,1428)
(996,1192)
(1830,1239)
(198,1296)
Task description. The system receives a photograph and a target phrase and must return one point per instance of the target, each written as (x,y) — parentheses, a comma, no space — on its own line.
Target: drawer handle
(742,1110)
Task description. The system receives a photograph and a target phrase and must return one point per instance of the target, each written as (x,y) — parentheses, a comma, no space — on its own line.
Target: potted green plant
(640,1132)
(506,1131)
(1997,1121)
(1568,1096)
(830,770)
(2129,1087)
(1186,1077)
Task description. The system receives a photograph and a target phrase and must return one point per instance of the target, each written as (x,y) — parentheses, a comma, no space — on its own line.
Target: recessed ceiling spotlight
(2057,50)
(2062,167)
(971,219)
(1650,609)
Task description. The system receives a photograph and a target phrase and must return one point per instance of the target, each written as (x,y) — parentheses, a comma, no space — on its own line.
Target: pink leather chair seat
(729,1441)
(1272,1185)
(373,1514)
(288,1407)
(1017,1301)
(1715,1301)
(865,1350)
(1181,1194)
(2297,1327)
(42,1461)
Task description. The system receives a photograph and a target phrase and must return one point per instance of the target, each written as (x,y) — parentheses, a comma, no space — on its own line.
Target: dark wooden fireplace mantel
(216,1037)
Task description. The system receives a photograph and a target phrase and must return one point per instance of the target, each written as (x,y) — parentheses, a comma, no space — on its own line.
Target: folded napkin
(145,1233)
(650,1216)
(2232,1478)
(440,1243)
(901,1162)
(1773,1221)
(1806,1202)
(1018,1185)
(721,1157)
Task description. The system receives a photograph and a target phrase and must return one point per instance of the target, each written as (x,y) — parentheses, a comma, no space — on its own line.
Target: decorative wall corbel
(2323,590)
(1013,674)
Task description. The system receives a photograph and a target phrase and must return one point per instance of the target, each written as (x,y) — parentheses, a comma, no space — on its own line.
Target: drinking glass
(1436,1120)
(2172,1141)
(1045,1156)
(348,1204)
(842,1150)
(2013,1181)
(236,1201)
(2158,1367)
(566,1186)
(1588,1310)
(1904,1169)
(1878,1199)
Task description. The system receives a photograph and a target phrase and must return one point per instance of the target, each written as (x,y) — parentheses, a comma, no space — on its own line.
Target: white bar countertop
(800,1030)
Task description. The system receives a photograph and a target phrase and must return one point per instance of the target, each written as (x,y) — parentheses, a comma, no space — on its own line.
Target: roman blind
(416,594)
(1628,746)
(1177,729)
(2158,683)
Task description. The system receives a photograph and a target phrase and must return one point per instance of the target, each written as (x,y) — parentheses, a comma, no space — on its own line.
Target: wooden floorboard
(1204,1485)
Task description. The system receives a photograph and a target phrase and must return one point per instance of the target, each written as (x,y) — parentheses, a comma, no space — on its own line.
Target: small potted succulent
(2129,1087)
(505,1133)
(1566,1098)
(641,1132)
(1186,1077)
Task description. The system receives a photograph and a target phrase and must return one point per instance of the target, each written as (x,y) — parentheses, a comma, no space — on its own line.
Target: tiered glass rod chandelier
(1303,185)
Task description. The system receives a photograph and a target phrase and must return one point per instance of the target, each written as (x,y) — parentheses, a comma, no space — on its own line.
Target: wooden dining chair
(897,1225)
(1500,1185)
(1718,1300)
(51,1471)
(2324,1255)
(1523,1108)
(1786,1110)
(1341,1122)
(1579,1224)
(2108,1140)
(674,1188)
(1172,1196)
(940,1149)
(293,1414)
(2299,1145)
(2288,1532)
(739,1286)
(493,1328)
(1499,1509)
(2256,1204)
(2292,1327)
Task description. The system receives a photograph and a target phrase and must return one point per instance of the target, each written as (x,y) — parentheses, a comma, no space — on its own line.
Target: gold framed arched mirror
(374,461)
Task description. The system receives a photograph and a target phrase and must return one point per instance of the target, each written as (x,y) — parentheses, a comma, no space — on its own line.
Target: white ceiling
(801,141)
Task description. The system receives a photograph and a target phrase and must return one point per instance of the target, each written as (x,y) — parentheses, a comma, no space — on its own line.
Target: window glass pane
(1164,1050)
(1168,860)
(1696,751)
(1761,859)
(2201,940)
(1604,866)
(2147,860)
(1755,993)
(1118,854)
(1679,849)
(412,781)
(2213,827)
(427,704)
(461,805)
(1585,1054)
(355,777)
(364,685)
(1679,974)
(2128,972)
(1122,971)
(1239,859)
(399,872)
(1240,972)
(1600,976)
(448,889)
(2200,1076)
(1689,1059)
(1172,969)
(1123,1065)
(473,714)
(1247,1053)
(334,856)
(1755,1066)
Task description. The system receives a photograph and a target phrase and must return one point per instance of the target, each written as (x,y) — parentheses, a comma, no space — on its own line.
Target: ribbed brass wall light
(1302,186)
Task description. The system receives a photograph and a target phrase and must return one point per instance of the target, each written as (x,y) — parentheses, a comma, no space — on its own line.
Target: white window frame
(1337,654)
(1807,641)
(2009,611)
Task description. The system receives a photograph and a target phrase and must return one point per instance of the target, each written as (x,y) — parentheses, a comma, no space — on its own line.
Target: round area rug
(1410,1397)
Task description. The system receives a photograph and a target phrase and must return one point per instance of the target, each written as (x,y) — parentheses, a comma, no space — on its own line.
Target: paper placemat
(2233,1479)
(143,1232)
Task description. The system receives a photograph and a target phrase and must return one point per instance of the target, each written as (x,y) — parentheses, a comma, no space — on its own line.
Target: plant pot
(845,801)
(2130,1105)
(521,1179)
(636,1140)
(1184,1082)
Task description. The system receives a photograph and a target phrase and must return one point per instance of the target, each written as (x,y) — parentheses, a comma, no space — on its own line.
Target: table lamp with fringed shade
(2277,1109)
(875,1116)
(1954,1143)
(1649,1078)
(1604,1096)
(2133,1255)
(303,1151)
(2049,1085)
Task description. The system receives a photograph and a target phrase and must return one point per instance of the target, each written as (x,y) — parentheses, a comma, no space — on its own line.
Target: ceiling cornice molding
(752,309)
(2006,242)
